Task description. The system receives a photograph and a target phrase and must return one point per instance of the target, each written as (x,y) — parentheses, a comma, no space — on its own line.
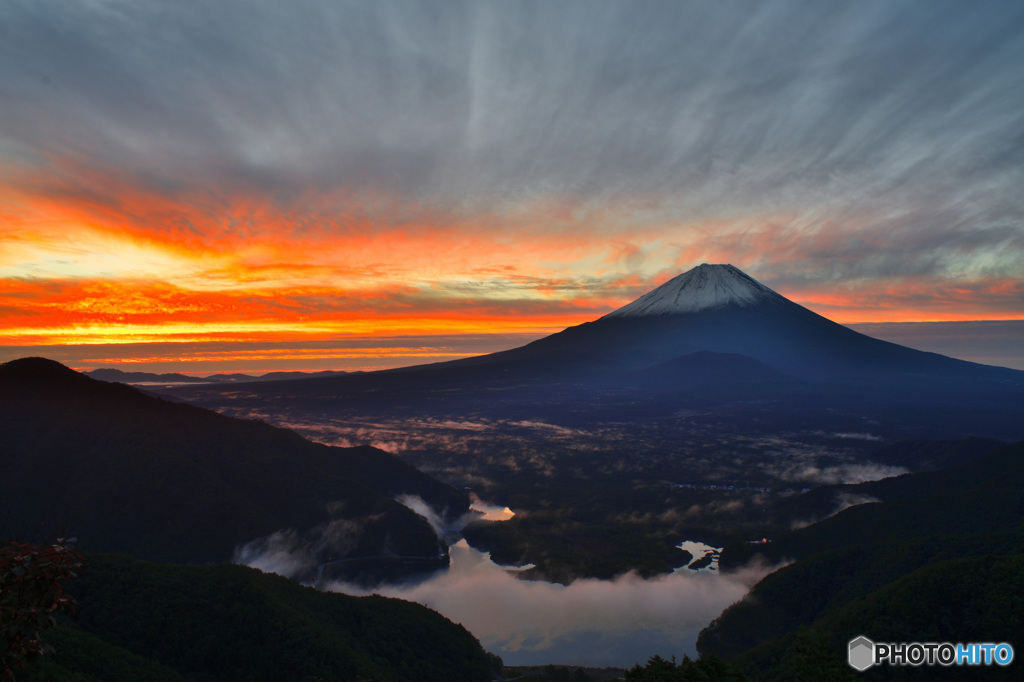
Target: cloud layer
(166,164)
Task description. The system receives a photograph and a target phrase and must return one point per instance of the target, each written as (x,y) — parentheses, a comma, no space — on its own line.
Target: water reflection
(491,512)
(589,622)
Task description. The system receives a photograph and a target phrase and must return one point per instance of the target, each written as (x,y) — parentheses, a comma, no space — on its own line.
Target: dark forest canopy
(141,621)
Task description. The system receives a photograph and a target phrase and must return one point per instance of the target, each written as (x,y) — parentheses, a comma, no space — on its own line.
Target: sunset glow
(456,179)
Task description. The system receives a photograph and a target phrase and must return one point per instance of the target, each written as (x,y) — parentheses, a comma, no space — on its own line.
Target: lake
(591,622)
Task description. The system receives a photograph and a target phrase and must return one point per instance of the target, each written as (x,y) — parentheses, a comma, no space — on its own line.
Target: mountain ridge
(115,375)
(198,484)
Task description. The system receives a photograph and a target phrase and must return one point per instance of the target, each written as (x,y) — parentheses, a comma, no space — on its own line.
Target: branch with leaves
(31,594)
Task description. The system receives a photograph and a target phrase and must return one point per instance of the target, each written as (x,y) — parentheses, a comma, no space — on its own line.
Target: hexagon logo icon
(862,653)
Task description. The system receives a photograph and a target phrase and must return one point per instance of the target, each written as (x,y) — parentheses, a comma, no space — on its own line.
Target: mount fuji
(710,336)
(720,309)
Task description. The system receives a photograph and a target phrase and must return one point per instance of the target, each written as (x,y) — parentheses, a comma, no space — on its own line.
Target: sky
(323,184)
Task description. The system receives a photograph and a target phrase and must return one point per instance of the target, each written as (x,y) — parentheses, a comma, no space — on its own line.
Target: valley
(605,477)
(739,418)
(598,499)
(622,448)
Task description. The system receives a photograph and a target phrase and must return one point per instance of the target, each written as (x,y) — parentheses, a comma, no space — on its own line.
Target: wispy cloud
(838,473)
(527,159)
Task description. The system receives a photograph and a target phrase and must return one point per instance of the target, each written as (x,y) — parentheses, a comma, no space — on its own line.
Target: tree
(31,593)
(708,668)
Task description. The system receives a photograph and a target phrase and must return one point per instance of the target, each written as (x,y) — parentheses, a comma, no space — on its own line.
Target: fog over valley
(589,622)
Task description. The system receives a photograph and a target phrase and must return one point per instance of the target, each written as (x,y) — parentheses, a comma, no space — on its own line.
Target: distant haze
(990,342)
(994,342)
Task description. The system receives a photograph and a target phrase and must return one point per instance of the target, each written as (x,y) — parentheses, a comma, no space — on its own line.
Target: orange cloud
(107,260)
(140,266)
(915,300)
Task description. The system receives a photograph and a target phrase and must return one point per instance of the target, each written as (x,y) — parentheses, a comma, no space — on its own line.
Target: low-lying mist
(298,555)
(592,622)
(617,622)
(293,554)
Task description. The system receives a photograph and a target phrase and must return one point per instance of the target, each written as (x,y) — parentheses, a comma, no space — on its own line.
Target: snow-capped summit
(702,288)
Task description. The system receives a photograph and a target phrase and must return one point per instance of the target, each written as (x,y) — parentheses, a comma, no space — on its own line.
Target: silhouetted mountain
(683,346)
(117,375)
(120,376)
(718,308)
(127,472)
(715,309)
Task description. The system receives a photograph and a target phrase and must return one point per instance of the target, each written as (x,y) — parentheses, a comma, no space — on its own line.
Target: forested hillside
(940,559)
(127,472)
(141,621)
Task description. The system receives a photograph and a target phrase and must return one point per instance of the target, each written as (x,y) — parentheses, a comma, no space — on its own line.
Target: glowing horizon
(502,171)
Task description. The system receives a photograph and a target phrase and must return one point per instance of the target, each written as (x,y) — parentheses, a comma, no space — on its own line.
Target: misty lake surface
(617,622)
